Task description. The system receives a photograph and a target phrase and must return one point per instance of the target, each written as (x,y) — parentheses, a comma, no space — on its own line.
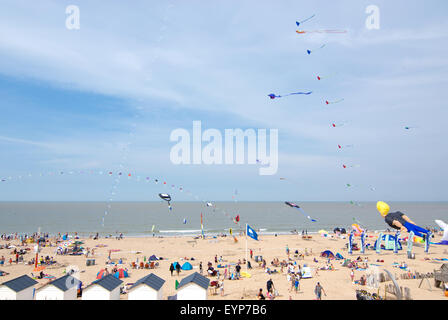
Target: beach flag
(251,233)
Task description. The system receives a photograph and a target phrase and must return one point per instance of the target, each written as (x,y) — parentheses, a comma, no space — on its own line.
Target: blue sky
(107,96)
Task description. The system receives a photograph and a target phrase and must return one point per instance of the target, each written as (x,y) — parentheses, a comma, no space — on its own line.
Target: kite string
(136,115)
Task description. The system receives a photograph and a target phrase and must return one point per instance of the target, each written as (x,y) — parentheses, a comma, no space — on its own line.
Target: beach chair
(146,266)
(152,265)
(142,265)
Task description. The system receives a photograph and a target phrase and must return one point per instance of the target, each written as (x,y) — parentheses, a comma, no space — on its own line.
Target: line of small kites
(138,178)
(334,125)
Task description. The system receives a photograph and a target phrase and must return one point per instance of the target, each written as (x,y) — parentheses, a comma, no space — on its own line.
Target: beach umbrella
(322,231)
(101,274)
(121,273)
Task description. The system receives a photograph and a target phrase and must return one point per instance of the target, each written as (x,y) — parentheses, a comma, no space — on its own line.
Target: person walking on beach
(287,251)
(200,268)
(318,291)
(352,275)
(251,253)
(296,284)
(172,269)
(177,268)
(270,286)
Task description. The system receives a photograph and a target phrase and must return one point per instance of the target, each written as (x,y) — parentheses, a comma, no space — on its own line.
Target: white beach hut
(147,288)
(64,288)
(193,287)
(107,288)
(20,288)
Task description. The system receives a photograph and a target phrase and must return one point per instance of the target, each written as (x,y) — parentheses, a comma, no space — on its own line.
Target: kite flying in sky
(321,31)
(299,22)
(351,166)
(293,205)
(167,198)
(334,125)
(273,96)
(309,51)
(331,102)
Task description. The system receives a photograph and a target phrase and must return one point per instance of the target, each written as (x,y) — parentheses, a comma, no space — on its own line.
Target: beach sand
(337,283)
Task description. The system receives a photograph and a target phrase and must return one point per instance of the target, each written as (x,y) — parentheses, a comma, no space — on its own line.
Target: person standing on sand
(238,269)
(177,268)
(200,268)
(270,285)
(318,291)
(172,269)
(287,251)
(288,278)
(352,275)
(251,253)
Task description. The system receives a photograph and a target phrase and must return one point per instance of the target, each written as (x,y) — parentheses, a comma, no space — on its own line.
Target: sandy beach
(336,283)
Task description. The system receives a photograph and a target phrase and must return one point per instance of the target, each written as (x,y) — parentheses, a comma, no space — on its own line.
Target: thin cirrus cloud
(174,64)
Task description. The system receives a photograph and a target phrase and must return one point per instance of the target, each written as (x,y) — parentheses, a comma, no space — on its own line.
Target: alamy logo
(189,150)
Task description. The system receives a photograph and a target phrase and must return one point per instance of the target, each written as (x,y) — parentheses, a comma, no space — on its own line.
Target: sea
(184,219)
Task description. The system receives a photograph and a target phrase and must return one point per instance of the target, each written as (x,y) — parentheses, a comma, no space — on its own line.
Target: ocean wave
(179,231)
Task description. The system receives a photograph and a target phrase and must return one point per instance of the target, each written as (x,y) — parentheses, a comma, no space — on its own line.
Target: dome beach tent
(327,254)
(187,266)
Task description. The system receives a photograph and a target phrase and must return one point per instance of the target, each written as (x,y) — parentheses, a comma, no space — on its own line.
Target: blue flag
(251,233)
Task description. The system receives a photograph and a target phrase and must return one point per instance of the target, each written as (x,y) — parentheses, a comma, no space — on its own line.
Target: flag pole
(246,250)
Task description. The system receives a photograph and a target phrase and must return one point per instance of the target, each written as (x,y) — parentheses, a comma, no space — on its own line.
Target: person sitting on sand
(260,295)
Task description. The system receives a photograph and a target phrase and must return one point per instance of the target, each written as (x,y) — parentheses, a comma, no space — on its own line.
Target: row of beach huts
(193,287)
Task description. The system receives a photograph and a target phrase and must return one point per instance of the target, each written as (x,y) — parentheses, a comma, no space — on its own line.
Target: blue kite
(273,96)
